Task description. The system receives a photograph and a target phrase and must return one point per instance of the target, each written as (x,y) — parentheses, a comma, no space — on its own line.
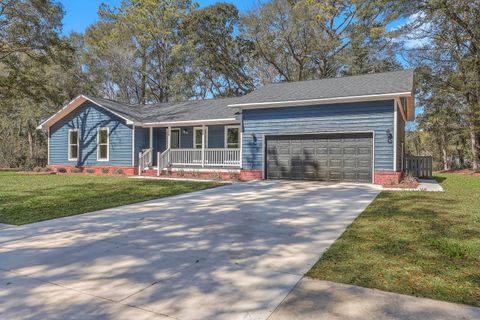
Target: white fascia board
(291,103)
(191,122)
(72,105)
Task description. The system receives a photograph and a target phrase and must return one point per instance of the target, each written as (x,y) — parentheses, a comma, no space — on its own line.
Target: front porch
(191,148)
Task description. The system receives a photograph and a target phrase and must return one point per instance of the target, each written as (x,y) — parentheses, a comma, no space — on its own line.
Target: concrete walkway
(314,299)
(430,185)
(233,252)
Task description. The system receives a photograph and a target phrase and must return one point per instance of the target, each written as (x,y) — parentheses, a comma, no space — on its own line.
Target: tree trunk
(475,142)
(446,165)
(143,84)
(30,143)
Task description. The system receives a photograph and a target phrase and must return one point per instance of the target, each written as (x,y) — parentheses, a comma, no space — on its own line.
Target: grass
(417,243)
(32,198)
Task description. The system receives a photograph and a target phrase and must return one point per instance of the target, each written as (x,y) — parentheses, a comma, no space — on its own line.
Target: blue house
(338,129)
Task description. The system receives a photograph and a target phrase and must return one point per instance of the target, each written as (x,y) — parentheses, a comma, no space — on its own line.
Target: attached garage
(324,157)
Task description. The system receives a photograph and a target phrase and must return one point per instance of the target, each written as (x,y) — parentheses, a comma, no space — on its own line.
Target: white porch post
(240,144)
(203,145)
(151,145)
(169,142)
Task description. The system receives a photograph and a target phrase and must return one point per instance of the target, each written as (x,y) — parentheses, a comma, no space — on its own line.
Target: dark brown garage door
(324,157)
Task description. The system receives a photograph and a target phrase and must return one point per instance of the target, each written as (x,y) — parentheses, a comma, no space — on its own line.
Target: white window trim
(98,144)
(179,137)
(70,144)
(195,134)
(226,136)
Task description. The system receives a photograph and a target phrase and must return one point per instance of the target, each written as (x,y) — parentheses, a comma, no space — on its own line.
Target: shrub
(216,176)
(90,170)
(75,170)
(234,176)
(118,171)
(409,179)
(38,169)
(195,174)
(61,170)
(105,170)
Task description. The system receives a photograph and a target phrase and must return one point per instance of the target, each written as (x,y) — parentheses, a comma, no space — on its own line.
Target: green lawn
(31,198)
(418,243)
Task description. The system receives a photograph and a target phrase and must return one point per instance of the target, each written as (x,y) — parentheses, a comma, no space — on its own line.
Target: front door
(175,139)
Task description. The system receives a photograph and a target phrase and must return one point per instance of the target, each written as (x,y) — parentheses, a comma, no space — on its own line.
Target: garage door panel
(327,157)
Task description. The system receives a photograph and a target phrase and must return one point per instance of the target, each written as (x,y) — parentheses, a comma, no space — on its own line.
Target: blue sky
(79,14)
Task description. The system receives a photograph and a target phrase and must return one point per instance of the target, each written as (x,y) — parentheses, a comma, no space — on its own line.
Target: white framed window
(197,137)
(103,144)
(232,137)
(73,142)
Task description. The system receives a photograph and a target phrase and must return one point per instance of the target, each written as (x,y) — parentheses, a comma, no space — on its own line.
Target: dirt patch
(467,172)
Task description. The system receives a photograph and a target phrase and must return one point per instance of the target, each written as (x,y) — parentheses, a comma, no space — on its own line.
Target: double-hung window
(102,144)
(232,137)
(197,137)
(73,144)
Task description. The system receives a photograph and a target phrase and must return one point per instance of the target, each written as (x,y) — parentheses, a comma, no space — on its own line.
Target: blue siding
(87,119)
(142,141)
(186,138)
(159,141)
(366,116)
(216,136)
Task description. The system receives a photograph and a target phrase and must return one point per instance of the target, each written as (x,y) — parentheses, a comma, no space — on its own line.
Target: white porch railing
(211,157)
(222,157)
(144,159)
(186,157)
(162,160)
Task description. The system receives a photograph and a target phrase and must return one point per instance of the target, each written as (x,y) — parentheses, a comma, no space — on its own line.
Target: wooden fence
(419,166)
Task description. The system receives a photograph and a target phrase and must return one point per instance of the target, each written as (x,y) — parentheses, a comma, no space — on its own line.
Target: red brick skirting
(112,170)
(248,175)
(387,177)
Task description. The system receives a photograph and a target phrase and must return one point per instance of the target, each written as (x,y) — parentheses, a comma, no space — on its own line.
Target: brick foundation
(129,171)
(248,175)
(387,177)
(208,175)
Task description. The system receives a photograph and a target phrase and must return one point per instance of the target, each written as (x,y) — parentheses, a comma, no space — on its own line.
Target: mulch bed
(33,172)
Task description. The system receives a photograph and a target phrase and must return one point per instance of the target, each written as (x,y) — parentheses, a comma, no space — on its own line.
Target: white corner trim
(288,103)
(402,112)
(395,124)
(48,146)
(133,146)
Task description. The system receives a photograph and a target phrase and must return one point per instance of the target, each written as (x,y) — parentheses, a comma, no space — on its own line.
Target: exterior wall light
(389,135)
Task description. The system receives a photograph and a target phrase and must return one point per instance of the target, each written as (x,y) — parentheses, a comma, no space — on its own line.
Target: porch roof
(184,111)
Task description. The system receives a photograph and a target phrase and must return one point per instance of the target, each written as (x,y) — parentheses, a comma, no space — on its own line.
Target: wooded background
(146,51)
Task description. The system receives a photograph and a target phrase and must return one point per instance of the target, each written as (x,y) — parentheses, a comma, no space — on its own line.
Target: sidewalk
(316,299)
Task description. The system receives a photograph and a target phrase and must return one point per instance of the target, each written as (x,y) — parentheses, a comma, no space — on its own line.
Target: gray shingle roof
(377,83)
(171,111)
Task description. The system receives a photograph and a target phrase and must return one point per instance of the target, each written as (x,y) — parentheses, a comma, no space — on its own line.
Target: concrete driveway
(234,252)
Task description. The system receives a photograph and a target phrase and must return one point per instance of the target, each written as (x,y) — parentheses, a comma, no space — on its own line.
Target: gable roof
(398,83)
(387,85)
